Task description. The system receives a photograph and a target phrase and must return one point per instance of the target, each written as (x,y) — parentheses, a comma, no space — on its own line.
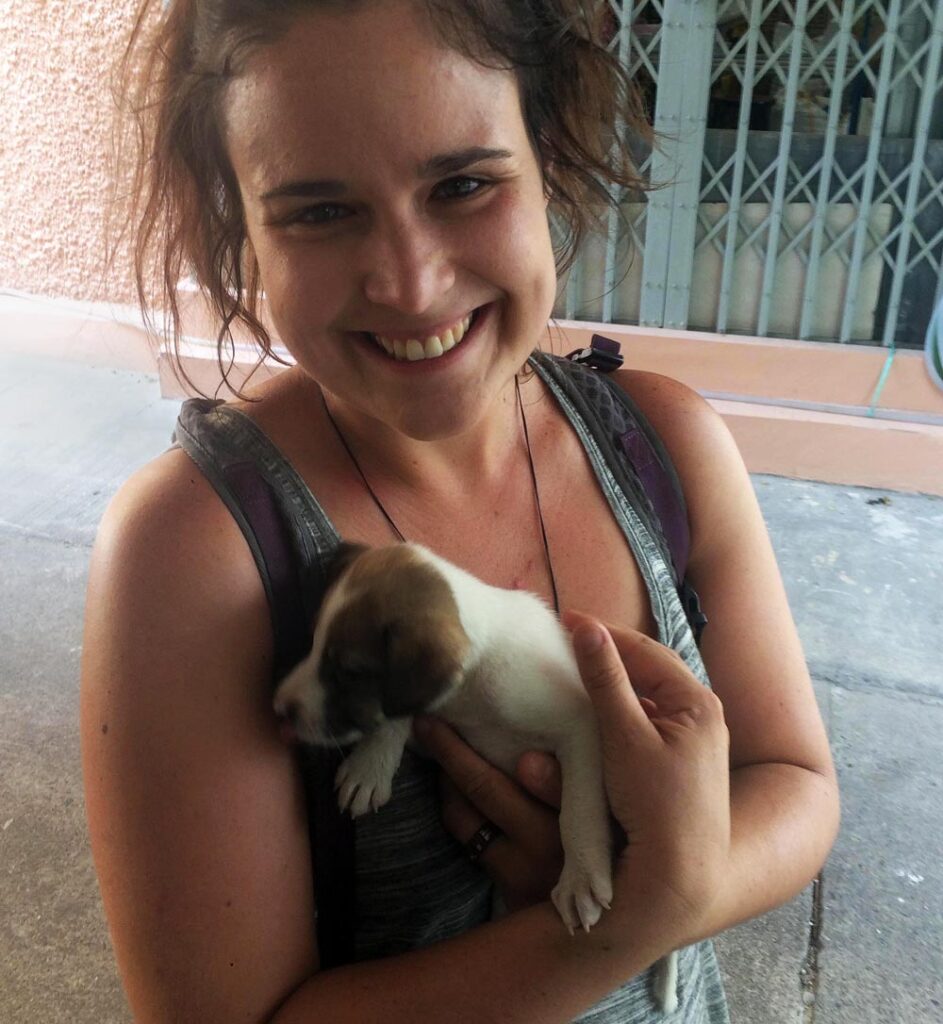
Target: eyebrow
(446,163)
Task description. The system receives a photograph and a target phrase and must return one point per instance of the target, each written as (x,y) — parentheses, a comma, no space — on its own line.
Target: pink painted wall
(55,136)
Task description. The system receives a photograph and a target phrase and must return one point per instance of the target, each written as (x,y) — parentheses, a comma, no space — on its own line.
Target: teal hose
(933,348)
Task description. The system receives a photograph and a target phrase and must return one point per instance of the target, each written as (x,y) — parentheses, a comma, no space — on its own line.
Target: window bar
(614,214)
(782,171)
(574,288)
(660,208)
(700,23)
(736,190)
(921,135)
(871,169)
(810,285)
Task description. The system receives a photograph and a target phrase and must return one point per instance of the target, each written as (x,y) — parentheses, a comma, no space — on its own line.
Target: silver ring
(481,840)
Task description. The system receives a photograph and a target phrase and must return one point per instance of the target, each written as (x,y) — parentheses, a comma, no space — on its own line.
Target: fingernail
(588,638)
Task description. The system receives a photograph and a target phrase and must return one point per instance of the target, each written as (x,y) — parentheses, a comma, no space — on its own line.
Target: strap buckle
(603,354)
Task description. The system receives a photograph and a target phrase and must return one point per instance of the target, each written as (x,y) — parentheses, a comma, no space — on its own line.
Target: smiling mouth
(430,347)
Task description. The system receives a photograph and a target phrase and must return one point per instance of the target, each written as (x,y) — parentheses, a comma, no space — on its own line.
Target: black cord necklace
(533,476)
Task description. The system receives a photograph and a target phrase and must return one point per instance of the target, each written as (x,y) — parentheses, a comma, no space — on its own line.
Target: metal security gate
(801,157)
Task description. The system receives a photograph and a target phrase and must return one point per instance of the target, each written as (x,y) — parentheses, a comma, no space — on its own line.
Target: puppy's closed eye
(352,688)
(424,659)
(400,667)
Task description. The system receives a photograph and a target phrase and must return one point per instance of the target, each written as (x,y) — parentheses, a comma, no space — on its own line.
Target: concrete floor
(864,571)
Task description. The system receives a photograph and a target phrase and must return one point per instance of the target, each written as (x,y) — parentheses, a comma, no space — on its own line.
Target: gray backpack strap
(253,504)
(635,454)
(249,495)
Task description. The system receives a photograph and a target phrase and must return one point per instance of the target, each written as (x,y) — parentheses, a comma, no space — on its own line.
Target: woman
(385,171)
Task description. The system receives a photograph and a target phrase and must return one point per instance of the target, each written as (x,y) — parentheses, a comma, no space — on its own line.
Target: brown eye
(321,213)
(460,188)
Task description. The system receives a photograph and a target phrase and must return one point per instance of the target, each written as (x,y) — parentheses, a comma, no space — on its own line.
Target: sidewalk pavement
(864,572)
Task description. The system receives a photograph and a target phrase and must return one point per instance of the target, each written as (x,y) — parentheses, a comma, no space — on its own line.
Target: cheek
(291,270)
(305,291)
(518,241)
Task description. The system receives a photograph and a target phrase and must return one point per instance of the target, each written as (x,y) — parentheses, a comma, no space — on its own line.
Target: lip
(480,316)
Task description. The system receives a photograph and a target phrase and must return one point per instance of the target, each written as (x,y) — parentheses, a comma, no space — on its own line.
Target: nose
(289,715)
(288,709)
(408,268)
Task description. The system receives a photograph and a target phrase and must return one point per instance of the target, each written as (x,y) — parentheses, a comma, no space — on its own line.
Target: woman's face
(391,191)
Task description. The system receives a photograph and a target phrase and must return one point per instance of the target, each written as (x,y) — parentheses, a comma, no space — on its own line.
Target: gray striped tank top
(414,883)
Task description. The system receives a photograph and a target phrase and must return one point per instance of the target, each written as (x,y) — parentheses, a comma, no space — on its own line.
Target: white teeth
(433,346)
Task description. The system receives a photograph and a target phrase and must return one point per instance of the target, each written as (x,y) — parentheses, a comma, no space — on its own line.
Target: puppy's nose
(289,714)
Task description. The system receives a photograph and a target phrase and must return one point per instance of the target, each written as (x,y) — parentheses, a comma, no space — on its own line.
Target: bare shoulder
(172,568)
(711,471)
(167,516)
(195,810)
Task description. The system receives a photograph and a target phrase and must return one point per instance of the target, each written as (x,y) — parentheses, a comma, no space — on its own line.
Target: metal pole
(810,289)
(782,169)
(871,166)
(740,153)
(701,19)
(921,134)
(613,218)
(658,220)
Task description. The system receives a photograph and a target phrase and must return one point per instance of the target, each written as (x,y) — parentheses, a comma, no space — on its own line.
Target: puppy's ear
(344,555)
(424,661)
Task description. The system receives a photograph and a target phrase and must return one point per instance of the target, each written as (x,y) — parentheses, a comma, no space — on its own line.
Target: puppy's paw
(364,782)
(582,894)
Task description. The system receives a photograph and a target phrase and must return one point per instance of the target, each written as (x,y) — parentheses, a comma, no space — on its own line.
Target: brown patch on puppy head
(345,554)
(338,562)
(397,645)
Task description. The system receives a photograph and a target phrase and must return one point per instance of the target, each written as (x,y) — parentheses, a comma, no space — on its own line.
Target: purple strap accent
(609,345)
(261,510)
(657,485)
(332,833)
(605,354)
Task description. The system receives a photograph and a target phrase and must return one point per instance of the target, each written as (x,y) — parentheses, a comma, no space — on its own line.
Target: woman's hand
(525,862)
(665,757)
(665,750)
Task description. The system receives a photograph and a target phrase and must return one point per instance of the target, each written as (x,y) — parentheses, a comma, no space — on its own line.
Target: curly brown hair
(580,107)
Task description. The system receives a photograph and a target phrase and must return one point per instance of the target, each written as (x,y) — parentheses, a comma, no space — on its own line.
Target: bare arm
(195,814)
(784,796)
(198,826)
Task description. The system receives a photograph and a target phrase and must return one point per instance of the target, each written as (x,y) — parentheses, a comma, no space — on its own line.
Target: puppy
(403,632)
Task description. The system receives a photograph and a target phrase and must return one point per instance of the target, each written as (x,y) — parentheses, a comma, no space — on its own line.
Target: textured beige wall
(55,135)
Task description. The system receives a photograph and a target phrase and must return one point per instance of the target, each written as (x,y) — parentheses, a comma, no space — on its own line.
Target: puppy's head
(388,643)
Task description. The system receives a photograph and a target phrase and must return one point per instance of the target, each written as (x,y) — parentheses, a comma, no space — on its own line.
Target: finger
(606,680)
(649,707)
(653,667)
(671,690)
(539,774)
(460,816)
(496,797)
